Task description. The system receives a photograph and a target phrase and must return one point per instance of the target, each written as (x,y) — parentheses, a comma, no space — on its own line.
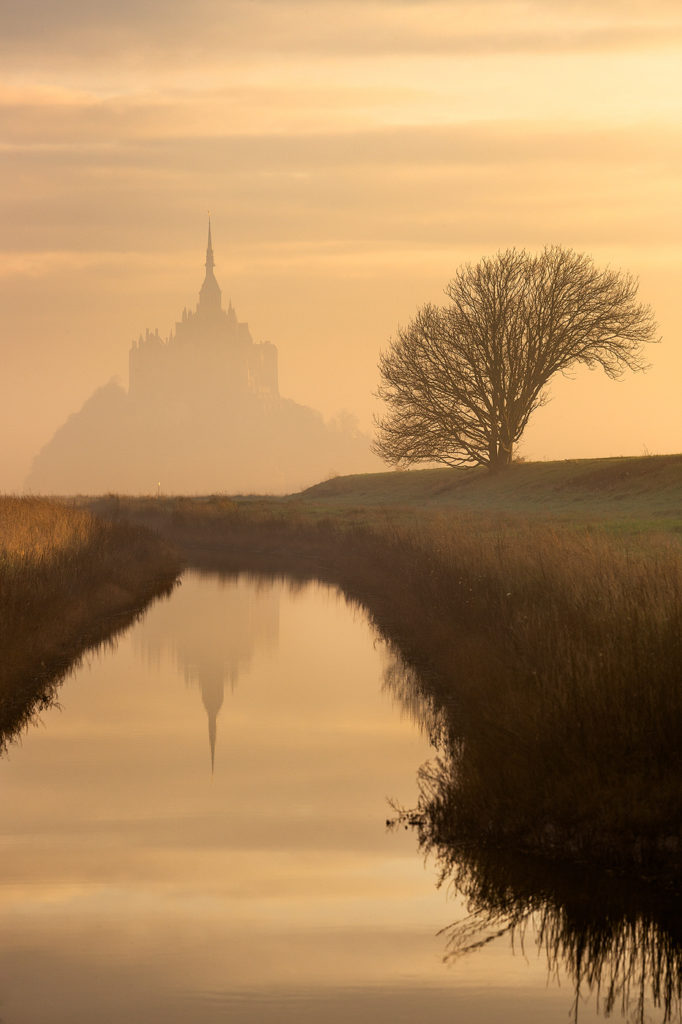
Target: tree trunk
(499,457)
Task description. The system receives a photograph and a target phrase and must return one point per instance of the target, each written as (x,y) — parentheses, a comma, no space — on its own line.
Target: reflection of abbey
(209,353)
(212,633)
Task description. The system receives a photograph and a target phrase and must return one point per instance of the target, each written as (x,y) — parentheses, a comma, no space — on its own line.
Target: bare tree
(462,380)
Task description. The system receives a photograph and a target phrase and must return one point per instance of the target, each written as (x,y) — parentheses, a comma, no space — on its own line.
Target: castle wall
(263,372)
(206,356)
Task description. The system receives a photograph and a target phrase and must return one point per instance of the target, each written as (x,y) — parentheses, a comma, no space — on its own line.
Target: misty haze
(341,526)
(202,413)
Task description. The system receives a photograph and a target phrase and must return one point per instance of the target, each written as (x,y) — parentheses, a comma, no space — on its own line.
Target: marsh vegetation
(67,580)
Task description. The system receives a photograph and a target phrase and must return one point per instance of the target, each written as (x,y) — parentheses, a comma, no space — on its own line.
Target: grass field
(67,581)
(626,493)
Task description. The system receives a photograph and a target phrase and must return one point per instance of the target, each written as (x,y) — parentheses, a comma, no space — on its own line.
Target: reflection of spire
(212,629)
(212,691)
(212,731)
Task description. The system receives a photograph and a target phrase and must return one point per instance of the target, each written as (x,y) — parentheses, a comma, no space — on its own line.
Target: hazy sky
(352,155)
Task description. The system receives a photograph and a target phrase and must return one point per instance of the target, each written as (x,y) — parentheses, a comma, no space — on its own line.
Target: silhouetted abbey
(202,414)
(210,352)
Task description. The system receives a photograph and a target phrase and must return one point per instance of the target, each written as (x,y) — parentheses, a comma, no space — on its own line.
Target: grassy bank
(553,651)
(630,494)
(67,581)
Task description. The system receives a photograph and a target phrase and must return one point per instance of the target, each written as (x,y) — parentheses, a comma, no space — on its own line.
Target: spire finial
(209,247)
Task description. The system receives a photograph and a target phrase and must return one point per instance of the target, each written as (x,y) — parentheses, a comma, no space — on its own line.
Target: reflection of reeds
(555,651)
(67,580)
(618,940)
(628,955)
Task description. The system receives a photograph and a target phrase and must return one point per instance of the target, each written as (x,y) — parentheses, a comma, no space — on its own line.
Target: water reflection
(136,887)
(212,641)
(30,689)
(618,940)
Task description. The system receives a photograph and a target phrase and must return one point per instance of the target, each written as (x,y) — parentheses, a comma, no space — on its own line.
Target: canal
(197,832)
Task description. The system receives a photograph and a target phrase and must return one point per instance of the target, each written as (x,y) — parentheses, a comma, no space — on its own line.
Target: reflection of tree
(615,937)
(212,628)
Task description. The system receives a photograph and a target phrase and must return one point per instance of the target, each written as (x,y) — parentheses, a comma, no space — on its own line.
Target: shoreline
(69,582)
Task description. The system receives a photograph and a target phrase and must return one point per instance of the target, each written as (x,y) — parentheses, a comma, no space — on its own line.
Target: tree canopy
(462,380)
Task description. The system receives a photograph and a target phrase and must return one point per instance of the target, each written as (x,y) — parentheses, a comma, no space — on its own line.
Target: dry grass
(67,579)
(34,529)
(557,655)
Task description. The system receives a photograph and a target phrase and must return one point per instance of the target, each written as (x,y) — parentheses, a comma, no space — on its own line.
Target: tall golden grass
(67,580)
(558,656)
(554,654)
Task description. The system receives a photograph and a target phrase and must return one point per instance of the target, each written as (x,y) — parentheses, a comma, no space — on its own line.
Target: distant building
(209,354)
(202,414)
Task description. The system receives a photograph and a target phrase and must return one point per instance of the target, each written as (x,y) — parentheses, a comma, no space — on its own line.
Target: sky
(352,156)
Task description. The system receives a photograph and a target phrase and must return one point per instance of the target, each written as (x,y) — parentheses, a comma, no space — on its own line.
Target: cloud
(273,155)
(80,33)
(492,184)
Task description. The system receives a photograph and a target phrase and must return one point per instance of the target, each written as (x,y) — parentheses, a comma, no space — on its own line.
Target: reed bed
(554,654)
(563,696)
(67,580)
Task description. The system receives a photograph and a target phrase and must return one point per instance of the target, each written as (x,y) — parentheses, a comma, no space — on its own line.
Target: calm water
(198,834)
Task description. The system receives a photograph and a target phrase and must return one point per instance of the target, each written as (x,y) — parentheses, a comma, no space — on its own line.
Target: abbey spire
(209,249)
(210,296)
